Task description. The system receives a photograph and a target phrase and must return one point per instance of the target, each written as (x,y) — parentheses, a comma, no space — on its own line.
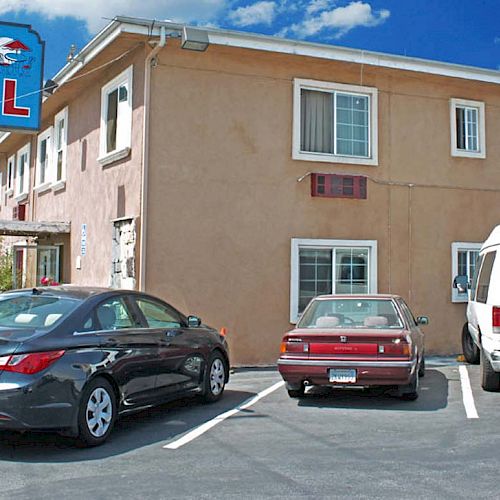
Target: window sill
(57,186)
(109,158)
(21,197)
(9,192)
(41,188)
(353,160)
(458,153)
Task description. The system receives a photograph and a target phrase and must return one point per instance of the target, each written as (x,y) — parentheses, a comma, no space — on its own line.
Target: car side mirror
(461,283)
(194,321)
(422,320)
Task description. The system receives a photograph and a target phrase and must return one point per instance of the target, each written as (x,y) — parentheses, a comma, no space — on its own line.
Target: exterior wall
(91,193)
(224,201)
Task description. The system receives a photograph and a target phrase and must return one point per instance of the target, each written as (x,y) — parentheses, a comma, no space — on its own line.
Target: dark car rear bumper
(44,404)
(368,373)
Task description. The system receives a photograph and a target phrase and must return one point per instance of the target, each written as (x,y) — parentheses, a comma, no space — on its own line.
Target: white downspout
(145,156)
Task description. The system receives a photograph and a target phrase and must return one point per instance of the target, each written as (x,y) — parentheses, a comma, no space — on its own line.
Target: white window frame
(124,130)
(60,183)
(370,92)
(20,196)
(298,243)
(46,135)
(481,128)
(455,248)
(11,171)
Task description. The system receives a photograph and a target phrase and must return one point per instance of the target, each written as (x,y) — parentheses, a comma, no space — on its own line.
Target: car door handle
(172,333)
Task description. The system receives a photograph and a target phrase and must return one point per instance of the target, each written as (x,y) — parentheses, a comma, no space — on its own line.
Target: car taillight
(496,319)
(294,346)
(28,364)
(397,347)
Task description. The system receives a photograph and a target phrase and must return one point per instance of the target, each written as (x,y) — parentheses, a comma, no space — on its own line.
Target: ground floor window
(330,266)
(463,263)
(35,265)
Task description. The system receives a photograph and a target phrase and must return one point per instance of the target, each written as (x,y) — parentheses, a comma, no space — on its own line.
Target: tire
(421,368)
(410,392)
(97,413)
(490,379)
(215,378)
(296,393)
(469,348)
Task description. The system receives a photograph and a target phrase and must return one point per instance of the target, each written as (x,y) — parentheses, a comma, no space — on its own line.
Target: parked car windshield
(351,313)
(34,311)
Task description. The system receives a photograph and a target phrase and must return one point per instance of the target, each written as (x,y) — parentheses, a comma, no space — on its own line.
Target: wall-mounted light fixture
(194,39)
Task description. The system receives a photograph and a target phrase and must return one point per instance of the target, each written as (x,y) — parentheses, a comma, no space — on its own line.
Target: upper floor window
(11,167)
(60,148)
(43,160)
(23,172)
(467,123)
(464,256)
(116,118)
(330,266)
(334,122)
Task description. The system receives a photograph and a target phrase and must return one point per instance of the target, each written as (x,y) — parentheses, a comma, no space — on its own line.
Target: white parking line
(174,445)
(468,398)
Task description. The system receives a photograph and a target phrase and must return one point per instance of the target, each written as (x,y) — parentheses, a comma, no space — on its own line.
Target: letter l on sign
(9,107)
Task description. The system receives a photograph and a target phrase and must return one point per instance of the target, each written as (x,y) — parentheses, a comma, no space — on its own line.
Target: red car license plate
(342,376)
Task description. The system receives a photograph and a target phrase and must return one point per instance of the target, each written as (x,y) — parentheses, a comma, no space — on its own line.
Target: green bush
(6,282)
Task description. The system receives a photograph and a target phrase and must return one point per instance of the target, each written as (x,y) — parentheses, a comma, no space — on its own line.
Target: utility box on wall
(339,186)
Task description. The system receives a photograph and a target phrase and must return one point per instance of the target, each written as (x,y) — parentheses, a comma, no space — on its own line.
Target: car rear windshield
(34,311)
(351,313)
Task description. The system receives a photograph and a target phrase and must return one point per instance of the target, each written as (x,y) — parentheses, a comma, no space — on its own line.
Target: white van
(481,333)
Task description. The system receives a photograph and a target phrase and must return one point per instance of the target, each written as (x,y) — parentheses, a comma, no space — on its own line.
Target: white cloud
(259,13)
(340,20)
(92,12)
(318,5)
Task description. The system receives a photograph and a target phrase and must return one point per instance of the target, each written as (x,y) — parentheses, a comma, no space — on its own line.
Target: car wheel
(410,392)
(469,348)
(490,379)
(215,378)
(296,391)
(97,413)
(421,368)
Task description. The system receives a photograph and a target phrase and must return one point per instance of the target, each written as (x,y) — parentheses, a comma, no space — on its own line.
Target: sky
(456,31)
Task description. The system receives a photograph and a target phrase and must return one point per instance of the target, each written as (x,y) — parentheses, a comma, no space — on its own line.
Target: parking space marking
(190,436)
(468,398)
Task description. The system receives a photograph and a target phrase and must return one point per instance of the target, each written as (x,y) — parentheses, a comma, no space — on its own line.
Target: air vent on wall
(19,212)
(338,186)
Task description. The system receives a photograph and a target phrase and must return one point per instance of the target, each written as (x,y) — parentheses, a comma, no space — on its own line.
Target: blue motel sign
(21,77)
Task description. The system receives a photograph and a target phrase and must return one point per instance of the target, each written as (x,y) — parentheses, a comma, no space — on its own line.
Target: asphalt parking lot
(258,443)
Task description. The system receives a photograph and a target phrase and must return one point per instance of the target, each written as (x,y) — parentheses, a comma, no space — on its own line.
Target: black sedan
(73,359)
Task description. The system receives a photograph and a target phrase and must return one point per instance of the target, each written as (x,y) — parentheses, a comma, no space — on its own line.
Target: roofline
(322,51)
(151,27)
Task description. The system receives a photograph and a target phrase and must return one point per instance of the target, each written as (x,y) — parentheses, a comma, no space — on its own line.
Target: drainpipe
(145,154)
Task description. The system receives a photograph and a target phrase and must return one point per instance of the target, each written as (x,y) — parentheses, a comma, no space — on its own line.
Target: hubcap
(217,377)
(99,412)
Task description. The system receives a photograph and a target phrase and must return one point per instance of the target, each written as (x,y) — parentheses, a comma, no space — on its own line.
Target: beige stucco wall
(224,201)
(91,193)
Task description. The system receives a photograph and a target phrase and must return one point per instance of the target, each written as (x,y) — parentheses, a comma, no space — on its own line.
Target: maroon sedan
(354,341)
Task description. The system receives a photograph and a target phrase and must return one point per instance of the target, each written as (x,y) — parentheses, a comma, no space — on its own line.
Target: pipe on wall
(145,155)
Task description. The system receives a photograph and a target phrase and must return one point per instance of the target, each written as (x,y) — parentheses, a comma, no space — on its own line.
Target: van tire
(490,379)
(469,348)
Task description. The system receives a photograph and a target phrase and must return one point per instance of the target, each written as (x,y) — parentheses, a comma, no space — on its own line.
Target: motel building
(237,176)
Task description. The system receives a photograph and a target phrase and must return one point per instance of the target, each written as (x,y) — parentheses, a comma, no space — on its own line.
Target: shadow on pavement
(433,395)
(158,425)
